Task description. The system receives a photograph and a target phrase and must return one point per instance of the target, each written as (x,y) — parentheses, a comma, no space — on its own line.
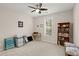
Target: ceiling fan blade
(33,10)
(32,7)
(40,5)
(37,5)
(43,9)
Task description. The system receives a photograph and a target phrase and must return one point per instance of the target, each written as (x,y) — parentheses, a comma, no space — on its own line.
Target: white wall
(76,25)
(27,25)
(9,24)
(65,16)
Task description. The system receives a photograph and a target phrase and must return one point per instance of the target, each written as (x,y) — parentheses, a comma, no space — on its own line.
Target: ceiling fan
(38,8)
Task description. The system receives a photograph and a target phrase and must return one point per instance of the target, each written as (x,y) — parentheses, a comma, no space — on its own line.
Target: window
(48,27)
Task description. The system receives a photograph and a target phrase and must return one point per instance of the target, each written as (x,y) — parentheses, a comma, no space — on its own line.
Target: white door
(48,30)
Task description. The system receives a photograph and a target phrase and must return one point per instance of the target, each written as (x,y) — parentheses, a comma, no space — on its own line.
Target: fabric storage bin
(9,43)
(19,41)
(29,38)
(25,38)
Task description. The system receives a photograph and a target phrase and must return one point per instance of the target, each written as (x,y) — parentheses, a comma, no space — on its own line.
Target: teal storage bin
(9,43)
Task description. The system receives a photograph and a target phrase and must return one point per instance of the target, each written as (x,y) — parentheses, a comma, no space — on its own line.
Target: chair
(71,49)
(36,35)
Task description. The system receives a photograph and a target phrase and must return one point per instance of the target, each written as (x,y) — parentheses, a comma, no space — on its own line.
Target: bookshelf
(63,33)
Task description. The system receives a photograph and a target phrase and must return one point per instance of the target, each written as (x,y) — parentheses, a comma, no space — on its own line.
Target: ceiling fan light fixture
(37,10)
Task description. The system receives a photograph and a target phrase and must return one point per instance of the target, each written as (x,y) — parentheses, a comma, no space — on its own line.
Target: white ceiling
(23,8)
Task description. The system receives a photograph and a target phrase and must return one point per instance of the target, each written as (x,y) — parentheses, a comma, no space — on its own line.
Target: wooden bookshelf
(63,33)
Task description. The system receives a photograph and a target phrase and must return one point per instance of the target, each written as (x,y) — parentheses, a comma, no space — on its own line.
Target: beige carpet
(35,48)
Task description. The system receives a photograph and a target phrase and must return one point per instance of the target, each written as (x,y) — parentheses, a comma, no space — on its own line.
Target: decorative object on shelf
(63,33)
(64,25)
(20,23)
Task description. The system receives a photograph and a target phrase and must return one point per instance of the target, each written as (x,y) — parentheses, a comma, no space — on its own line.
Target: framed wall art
(20,23)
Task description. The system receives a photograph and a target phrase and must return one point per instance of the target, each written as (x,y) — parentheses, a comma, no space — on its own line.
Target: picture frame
(41,25)
(20,23)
